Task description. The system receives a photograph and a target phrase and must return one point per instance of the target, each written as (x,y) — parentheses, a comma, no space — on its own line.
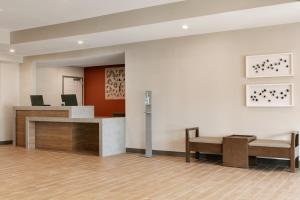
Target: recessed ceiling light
(80,42)
(185,27)
(12,51)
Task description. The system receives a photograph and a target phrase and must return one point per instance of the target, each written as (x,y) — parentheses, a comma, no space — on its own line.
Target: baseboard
(156,152)
(266,161)
(166,153)
(6,142)
(133,150)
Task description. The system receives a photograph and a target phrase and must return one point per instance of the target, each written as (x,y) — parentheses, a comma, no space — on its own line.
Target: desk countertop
(49,107)
(62,119)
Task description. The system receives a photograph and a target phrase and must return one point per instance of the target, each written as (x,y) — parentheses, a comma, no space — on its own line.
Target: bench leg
(297,162)
(293,165)
(252,161)
(187,152)
(188,156)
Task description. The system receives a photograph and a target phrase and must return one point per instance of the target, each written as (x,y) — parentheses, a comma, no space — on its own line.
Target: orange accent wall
(94,92)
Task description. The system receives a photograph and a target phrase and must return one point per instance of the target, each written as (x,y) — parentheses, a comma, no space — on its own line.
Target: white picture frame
(270,65)
(270,95)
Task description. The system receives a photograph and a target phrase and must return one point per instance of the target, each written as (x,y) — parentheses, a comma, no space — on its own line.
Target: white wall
(9,97)
(200,81)
(49,82)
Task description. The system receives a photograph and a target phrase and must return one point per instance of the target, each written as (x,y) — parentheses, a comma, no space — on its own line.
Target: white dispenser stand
(148,123)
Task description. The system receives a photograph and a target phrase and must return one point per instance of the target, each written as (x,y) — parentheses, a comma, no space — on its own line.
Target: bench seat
(209,140)
(201,144)
(277,149)
(270,143)
(257,148)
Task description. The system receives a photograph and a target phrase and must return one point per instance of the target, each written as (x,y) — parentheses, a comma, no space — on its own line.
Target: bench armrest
(295,139)
(188,132)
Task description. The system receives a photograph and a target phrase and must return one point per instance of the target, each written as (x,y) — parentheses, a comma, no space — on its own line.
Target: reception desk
(22,112)
(101,136)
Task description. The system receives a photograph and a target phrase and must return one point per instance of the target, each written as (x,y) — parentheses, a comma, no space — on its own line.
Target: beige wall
(9,97)
(27,82)
(49,82)
(4,36)
(200,81)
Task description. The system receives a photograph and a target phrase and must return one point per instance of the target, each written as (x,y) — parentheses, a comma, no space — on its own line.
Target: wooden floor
(54,175)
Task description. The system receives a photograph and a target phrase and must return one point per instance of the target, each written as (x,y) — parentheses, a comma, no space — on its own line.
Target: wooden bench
(277,149)
(201,144)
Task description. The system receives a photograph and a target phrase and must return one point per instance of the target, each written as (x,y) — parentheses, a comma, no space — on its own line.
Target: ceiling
(24,14)
(241,19)
(90,61)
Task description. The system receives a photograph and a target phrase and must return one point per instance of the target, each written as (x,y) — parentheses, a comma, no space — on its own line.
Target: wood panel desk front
(101,136)
(21,112)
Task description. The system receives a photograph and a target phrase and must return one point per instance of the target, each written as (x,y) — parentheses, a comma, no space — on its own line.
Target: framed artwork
(270,95)
(115,83)
(271,65)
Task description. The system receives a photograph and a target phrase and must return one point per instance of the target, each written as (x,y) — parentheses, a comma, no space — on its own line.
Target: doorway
(73,85)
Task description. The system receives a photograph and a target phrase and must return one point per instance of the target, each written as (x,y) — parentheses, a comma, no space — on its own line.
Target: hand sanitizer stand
(148,123)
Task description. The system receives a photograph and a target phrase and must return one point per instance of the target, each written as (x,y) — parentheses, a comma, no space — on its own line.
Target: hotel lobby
(149,100)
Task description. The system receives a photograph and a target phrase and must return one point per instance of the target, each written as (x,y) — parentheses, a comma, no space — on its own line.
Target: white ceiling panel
(4,36)
(99,60)
(243,19)
(24,14)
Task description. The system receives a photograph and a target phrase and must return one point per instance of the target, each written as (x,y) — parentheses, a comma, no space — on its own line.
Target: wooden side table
(235,150)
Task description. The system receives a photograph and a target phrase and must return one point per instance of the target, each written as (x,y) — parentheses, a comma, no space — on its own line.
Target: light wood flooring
(54,175)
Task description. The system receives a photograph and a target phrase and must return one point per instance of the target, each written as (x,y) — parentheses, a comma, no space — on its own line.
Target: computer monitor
(37,100)
(69,99)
